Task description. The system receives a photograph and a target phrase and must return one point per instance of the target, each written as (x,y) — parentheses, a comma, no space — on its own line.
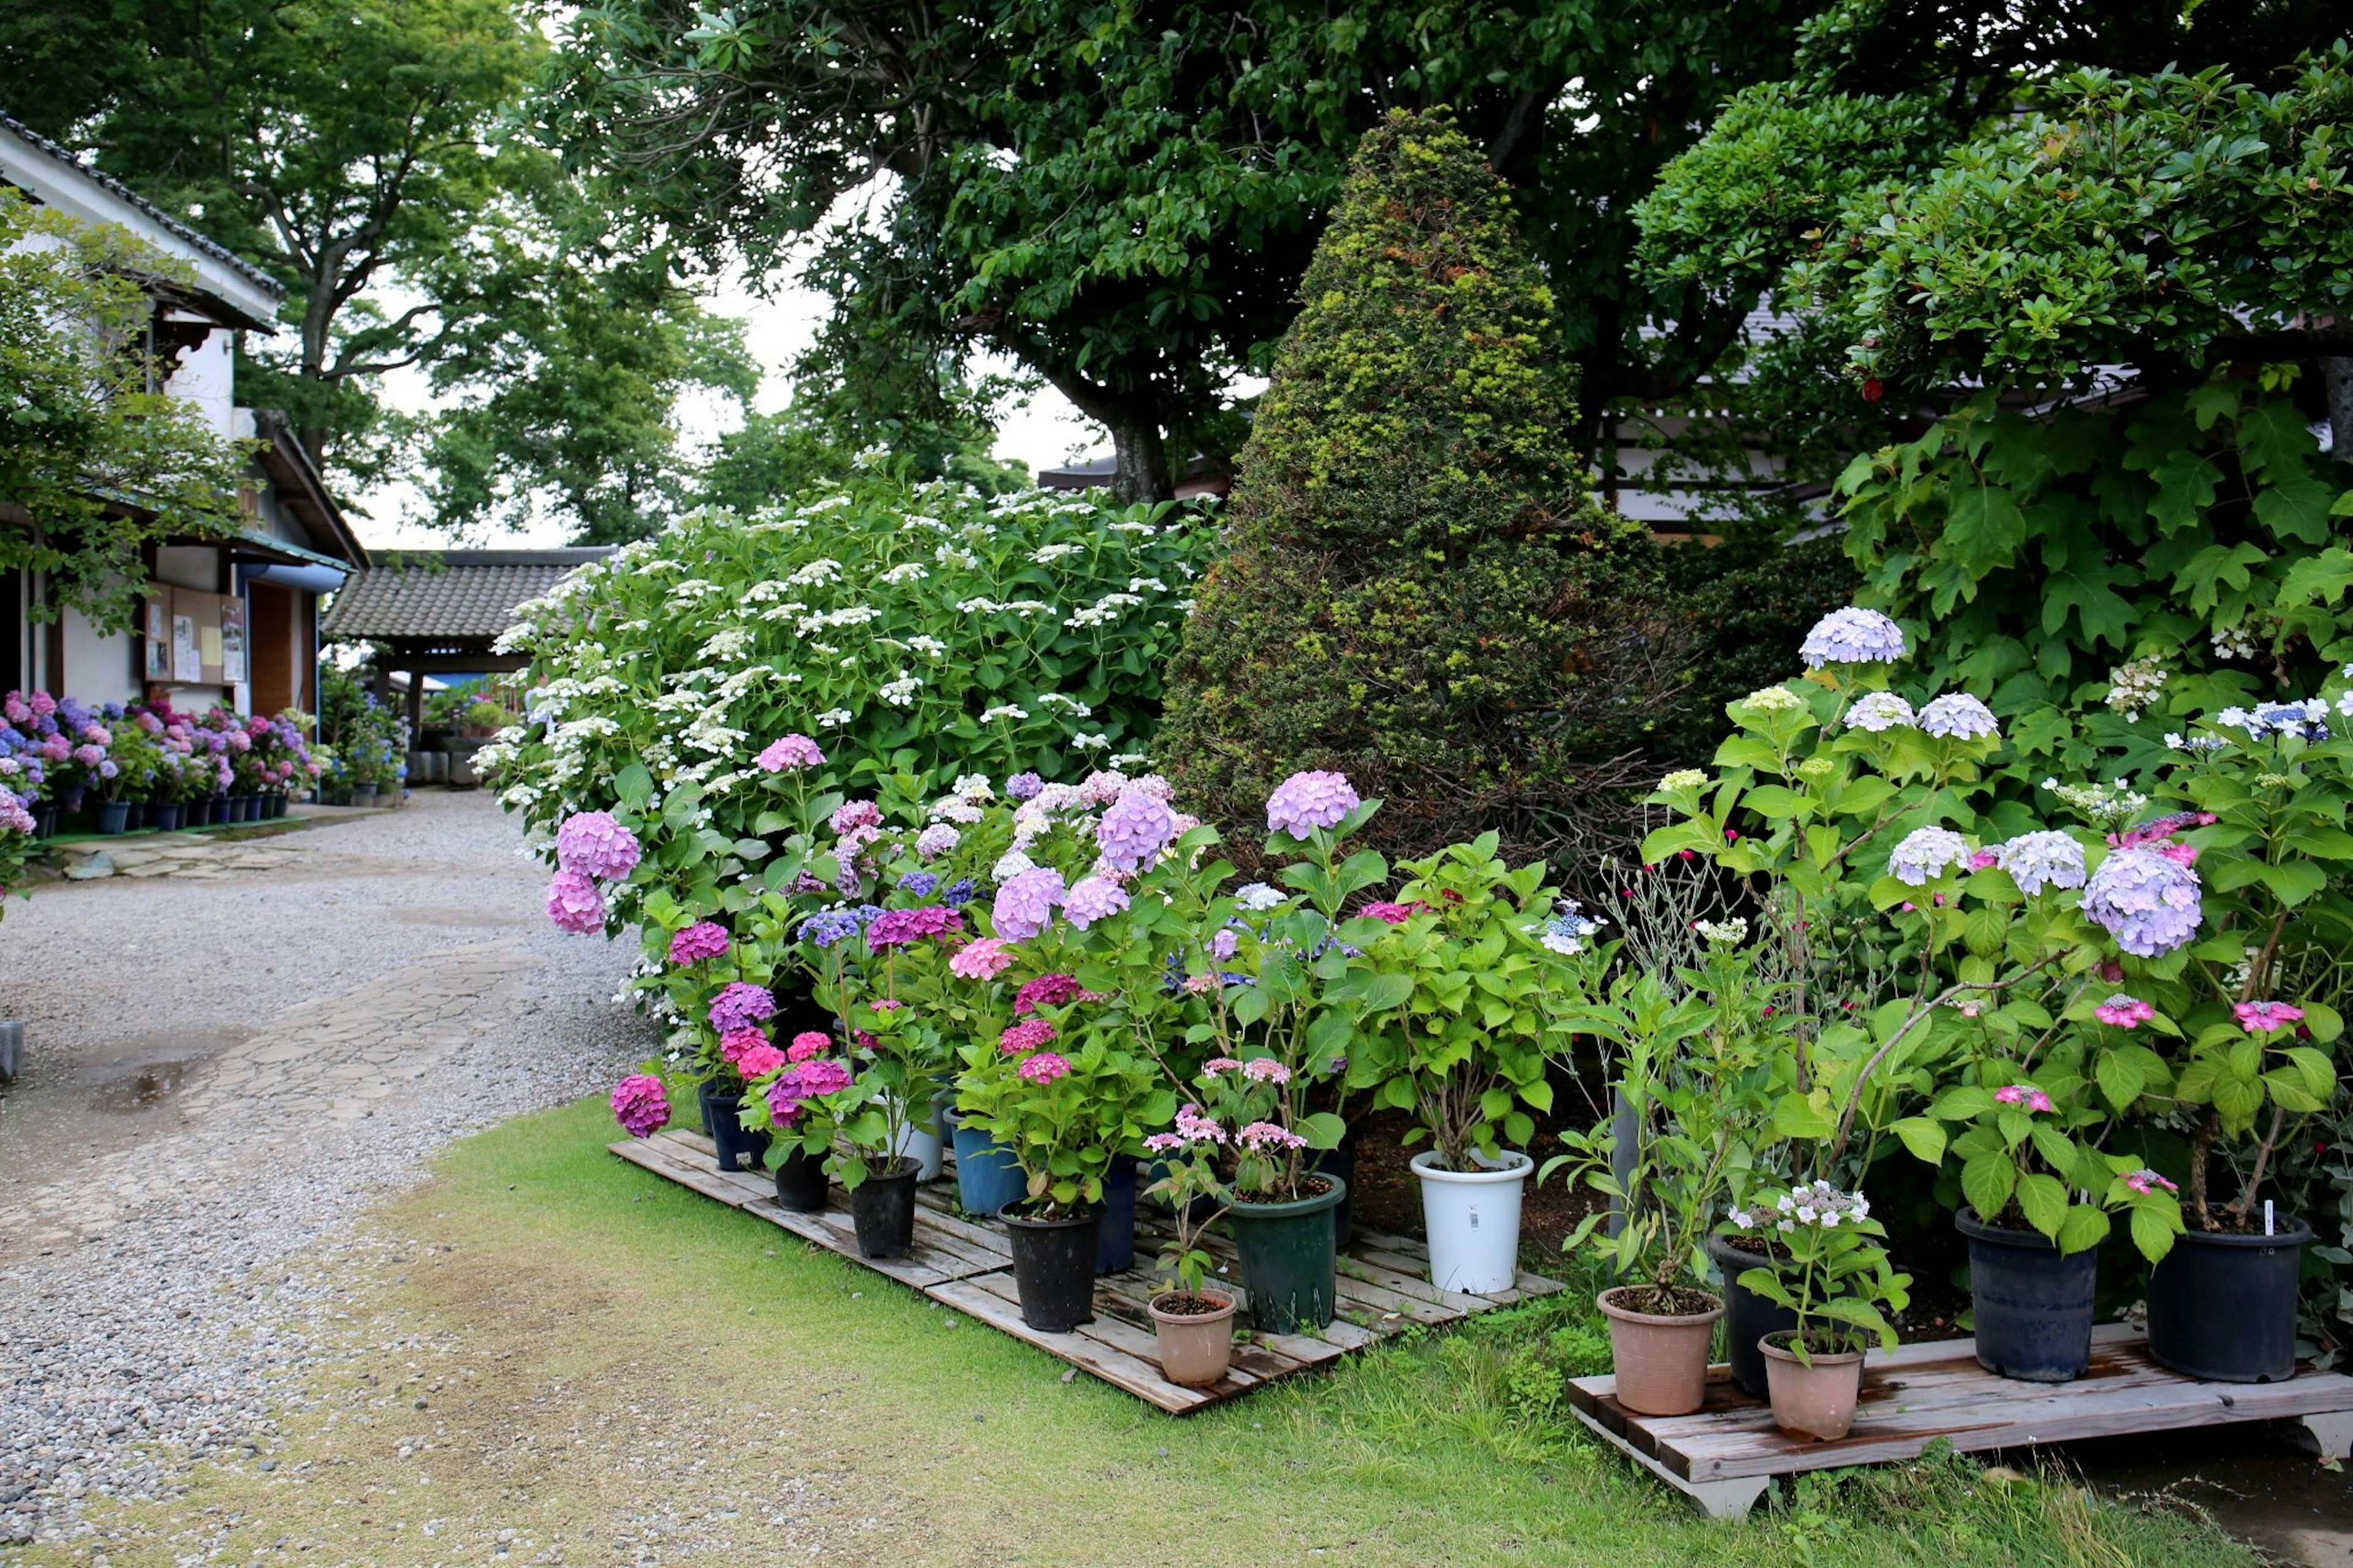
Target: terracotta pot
(1816,1401)
(1196,1349)
(1661,1362)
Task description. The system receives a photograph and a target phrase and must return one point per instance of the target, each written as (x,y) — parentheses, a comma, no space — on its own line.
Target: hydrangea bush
(875,642)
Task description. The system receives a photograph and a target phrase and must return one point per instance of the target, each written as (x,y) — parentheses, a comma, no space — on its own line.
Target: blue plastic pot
(988,1177)
(1115,1242)
(2032,1306)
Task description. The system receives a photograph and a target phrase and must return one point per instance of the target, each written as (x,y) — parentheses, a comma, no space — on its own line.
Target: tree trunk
(1143,458)
(2336,373)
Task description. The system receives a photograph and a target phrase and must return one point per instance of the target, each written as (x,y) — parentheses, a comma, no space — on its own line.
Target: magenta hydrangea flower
(806,1044)
(574,904)
(1395,913)
(640,1105)
(1136,828)
(1093,899)
(592,844)
(2150,903)
(897,928)
(1043,1068)
(2146,1181)
(1027,1037)
(1025,905)
(2123,1012)
(1047,991)
(740,1005)
(735,1042)
(2024,1094)
(984,958)
(790,754)
(703,939)
(826,1075)
(856,814)
(2263,1018)
(1307,801)
(759,1061)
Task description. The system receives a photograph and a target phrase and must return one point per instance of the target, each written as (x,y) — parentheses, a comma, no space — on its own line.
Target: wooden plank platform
(1384,1285)
(1725,1455)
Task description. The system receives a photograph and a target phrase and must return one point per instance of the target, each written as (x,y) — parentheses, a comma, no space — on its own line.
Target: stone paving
(265,847)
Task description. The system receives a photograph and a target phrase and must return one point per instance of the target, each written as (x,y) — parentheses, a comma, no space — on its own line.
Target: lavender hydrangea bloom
(592,844)
(1091,898)
(2035,860)
(1256,896)
(1307,801)
(1134,831)
(1025,904)
(1853,636)
(1959,716)
(2148,902)
(920,884)
(574,904)
(1926,854)
(937,840)
(1024,786)
(959,891)
(1879,711)
(741,1005)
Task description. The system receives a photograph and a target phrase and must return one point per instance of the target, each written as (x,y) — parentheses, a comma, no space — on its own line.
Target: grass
(609,1368)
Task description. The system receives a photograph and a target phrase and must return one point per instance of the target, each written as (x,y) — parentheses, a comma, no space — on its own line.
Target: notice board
(194,638)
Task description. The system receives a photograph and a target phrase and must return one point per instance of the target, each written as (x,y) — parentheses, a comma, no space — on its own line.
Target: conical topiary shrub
(1421,590)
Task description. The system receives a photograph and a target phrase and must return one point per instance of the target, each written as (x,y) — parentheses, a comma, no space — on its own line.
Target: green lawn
(592,1346)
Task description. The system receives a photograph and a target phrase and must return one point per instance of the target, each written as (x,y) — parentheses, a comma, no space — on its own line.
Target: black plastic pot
(2033,1306)
(45,821)
(882,1210)
(738,1150)
(1340,1162)
(163,816)
(113,815)
(1747,1317)
(1054,1270)
(2223,1307)
(1116,1238)
(800,1180)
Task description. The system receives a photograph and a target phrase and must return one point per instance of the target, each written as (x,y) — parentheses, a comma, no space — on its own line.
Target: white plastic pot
(1474,1220)
(919,1141)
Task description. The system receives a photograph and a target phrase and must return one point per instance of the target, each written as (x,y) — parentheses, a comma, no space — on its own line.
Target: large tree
(1122,199)
(368,155)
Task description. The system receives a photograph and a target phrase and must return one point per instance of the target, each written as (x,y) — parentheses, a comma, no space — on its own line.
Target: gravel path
(223,1075)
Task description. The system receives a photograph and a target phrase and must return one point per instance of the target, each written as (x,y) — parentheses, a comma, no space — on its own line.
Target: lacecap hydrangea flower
(1880,712)
(2150,903)
(1309,800)
(2123,1012)
(1958,716)
(1026,903)
(592,844)
(574,904)
(2047,858)
(1926,854)
(1853,636)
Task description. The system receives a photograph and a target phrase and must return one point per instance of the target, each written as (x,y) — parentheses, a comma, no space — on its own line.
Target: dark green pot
(1289,1253)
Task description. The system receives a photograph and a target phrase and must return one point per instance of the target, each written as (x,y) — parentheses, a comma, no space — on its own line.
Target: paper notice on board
(232,642)
(186,664)
(208,646)
(158,641)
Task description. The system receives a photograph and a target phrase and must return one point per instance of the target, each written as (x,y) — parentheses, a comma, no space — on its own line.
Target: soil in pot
(2221,1306)
(1289,1256)
(1659,1341)
(1814,1398)
(2032,1306)
(1054,1269)
(800,1180)
(1196,1332)
(1747,1317)
(882,1210)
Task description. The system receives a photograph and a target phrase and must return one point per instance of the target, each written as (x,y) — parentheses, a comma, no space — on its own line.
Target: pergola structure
(438,612)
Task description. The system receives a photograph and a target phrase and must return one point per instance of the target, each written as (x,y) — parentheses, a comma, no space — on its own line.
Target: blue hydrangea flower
(2035,860)
(1959,716)
(1853,636)
(1926,854)
(831,926)
(2148,901)
(959,891)
(1878,711)
(919,884)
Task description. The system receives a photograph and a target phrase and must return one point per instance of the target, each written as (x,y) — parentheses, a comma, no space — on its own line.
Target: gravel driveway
(223,1075)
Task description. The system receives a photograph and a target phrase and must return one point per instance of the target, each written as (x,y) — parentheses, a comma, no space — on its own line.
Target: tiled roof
(441,595)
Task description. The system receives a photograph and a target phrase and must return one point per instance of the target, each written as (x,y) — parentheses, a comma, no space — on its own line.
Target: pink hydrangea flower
(1394,914)
(703,939)
(594,845)
(2146,1181)
(806,1044)
(1309,800)
(2263,1018)
(984,958)
(1265,1135)
(823,1075)
(2123,1012)
(641,1106)
(735,1042)
(1043,1068)
(574,904)
(856,814)
(1266,1069)
(1047,991)
(759,1061)
(790,754)
(897,928)
(1216,1065)
(1093,898)
(1196,1128)
(1025,1036)
(2024,1094)
(1162,1143)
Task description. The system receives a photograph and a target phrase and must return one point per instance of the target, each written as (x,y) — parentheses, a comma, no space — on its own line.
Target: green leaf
(1925,1138)
(1988,1180)
(2084,1228)
(1383,993)
(1984,529)
(634,786)
(2043,1200)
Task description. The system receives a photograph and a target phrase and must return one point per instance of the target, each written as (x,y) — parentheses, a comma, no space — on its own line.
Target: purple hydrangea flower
(1025,905)
(641,1106)
(1853,636)
(592,844)
(1024,786)
(1959,716)
(1880,711)
(831,926)
(2038,859)
(920,884)
(1093,898)
(740,1005)
(1133,832)
(937,840)
(703,939)
(574,904)
(1926,854)
(791,754)
(2148,901)
(959,891)
(897,928)
(1307,801)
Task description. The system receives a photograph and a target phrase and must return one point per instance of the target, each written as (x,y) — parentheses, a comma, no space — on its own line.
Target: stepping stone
(93,866)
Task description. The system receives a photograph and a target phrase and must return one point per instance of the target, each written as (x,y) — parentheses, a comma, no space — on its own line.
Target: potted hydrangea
(1835,1283)
(1192,1322)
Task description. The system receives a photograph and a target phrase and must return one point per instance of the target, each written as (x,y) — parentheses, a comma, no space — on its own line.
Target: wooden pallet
(1725,1455)
(1384,1285)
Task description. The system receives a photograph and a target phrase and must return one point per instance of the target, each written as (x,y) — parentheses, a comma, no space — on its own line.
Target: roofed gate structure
(438,612)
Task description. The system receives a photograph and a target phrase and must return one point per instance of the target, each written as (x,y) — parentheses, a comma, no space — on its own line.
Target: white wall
(97,667)
(203,377)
